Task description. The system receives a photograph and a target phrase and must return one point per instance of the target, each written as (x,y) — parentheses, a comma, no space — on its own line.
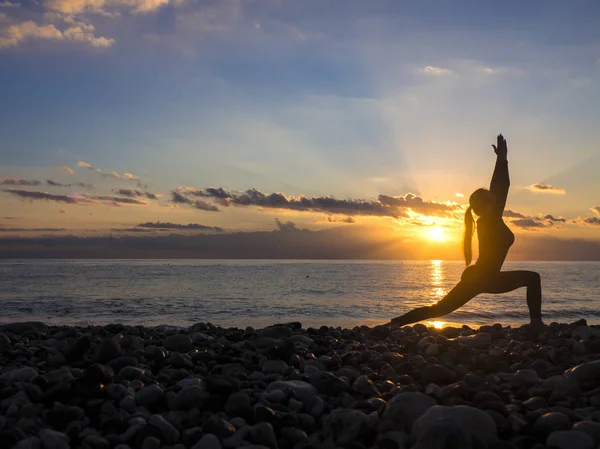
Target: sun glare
(437,233)
(437,324)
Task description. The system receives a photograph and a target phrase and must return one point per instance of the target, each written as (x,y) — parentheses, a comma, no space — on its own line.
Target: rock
(344,427)
(590,428)
(525,378)
(302,390)
(405,408)
(274,366)
(218,426)
(315,406)
(569,439)
(150,396)
(28,443)
(365,386)
(25,374)
(293,435)
(437,374)
(535,403)
(470,419)
(53,440)
(107,350)
(392,440)
(151,443)
(238,403)
(550,422)
(24,327)
(328,383)
(482,340)
(189,397)
(263,433)
(208,441)
(168,431)
(276,332)
(587,375)
(95,442)
(444,434)
(178,342)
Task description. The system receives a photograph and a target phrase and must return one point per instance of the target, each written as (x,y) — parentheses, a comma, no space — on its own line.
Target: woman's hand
(501,148)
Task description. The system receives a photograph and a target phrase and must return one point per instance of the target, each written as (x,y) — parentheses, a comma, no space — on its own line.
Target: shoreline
(290,387)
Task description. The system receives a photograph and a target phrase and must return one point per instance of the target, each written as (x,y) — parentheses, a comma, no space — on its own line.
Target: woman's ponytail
(469,223)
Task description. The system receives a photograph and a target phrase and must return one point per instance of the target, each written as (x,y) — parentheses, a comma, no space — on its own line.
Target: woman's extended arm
(500,180)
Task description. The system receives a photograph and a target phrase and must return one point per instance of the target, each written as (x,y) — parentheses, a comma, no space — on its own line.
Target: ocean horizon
(262,292)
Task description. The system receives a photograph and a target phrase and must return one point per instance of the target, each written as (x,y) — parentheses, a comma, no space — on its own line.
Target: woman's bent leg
(456,298)
(507,281)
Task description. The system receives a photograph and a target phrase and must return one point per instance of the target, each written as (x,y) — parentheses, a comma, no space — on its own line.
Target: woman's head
(481,202)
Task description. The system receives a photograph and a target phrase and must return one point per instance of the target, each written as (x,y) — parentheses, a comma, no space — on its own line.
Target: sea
(259,293)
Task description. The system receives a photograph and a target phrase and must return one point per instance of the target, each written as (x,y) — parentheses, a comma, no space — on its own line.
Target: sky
(153,117)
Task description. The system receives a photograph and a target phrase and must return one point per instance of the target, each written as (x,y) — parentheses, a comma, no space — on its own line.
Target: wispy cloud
(539,187)
(333,219)
(510,214)
(169,225)
(15,34)
(133,193)
(384,206)
(288,226)
(596,210)
(436,71)
(56,184)
(18,182)
(66,169)
(75,198)
(84,165)
(33,195)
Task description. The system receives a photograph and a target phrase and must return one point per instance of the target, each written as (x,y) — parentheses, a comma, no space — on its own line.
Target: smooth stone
(437,374)
(169,432)
(178,342)
(107,350)
(235,441)
(274,366)
(208,441)
(189,397)
(302,390)
(25,374)
(263,433)
(218,426)
(392,440)
(444,434)
(344,426)
(237,403)
(95,442)
(550,422)
(315,406)
(53,440)
(535,403)
(276,396)
(481,340)
(28,443)
(150,395)
(590,428)
(585,374)
(151,442)
(293,435)
(569,439)
(525,378)
(405,408)
(365,386)
(471,419)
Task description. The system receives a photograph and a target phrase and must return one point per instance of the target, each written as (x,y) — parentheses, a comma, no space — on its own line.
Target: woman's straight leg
(456,298)
(507,281)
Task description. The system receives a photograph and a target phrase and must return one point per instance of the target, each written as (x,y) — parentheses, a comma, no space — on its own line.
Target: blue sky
(344,98)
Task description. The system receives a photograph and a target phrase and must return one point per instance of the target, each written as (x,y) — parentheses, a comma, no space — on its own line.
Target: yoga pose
(495,240)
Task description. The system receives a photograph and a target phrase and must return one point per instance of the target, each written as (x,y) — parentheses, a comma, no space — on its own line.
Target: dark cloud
(545,188)
(56,184)
(116,199)
(178,198)
(203,205)
(288,226)
(554,219)
(31,229)
(510,214)
(384,206)
(18,182)
(42,196)
(529,223)
(332,219)
(594,221)
(84,185)
(133,193)
(169,225)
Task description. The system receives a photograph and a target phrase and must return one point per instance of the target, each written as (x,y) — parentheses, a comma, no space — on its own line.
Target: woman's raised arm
(500,179)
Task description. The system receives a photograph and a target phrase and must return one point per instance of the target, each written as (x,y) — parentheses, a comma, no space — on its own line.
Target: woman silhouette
(495,239)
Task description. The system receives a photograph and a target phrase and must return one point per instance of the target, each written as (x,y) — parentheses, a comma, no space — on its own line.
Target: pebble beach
(289,387)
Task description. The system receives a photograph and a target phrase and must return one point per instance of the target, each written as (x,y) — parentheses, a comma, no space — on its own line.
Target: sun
(437,233)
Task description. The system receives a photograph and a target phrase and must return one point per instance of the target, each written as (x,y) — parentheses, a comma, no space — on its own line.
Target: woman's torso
(495,239)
